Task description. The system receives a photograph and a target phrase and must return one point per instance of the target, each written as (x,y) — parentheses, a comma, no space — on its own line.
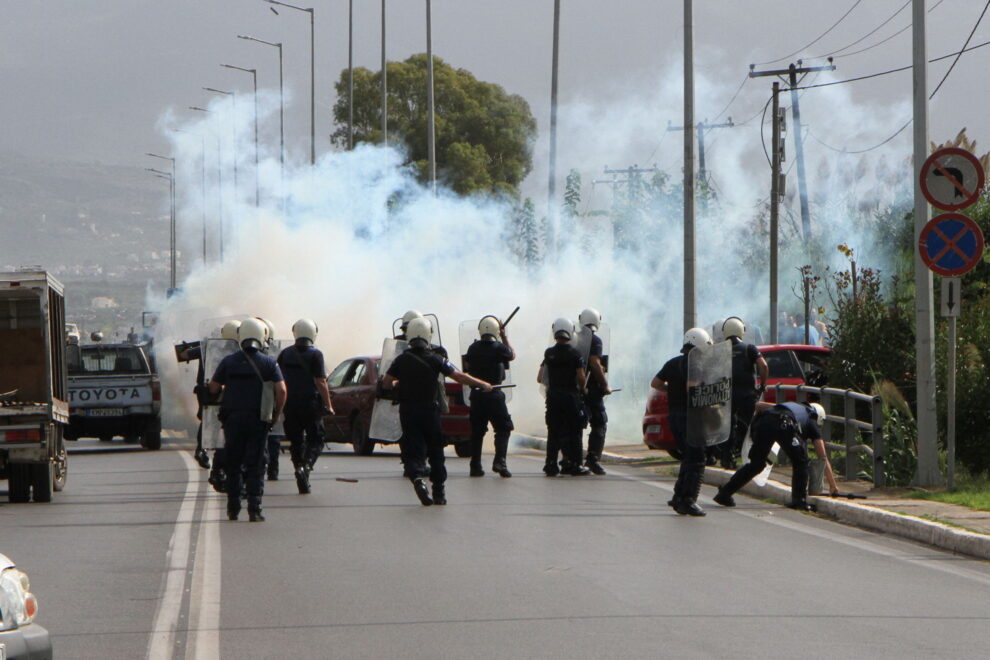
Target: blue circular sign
(951,244)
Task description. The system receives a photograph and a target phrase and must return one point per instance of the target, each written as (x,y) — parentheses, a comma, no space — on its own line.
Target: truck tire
(42,481)
(363,445)
(19,480)
(60,470)
(152,440)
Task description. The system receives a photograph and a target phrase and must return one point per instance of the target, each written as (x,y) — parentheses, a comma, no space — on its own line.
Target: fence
(828,396)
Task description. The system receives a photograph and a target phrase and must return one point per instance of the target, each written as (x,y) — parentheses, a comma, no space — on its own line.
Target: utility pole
(430,125)
(701,127)
(552,183)
(690,311)
(792,72)
(776,192)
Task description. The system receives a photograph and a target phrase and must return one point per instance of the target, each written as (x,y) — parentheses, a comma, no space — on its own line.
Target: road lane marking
(204,598)
(162,640)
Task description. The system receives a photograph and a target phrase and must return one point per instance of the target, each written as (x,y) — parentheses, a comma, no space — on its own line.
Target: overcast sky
(89,81)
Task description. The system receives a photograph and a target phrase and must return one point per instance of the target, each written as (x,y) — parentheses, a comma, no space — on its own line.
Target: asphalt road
(527,567)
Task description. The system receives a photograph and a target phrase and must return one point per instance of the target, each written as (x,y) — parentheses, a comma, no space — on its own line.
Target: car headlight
(18,606)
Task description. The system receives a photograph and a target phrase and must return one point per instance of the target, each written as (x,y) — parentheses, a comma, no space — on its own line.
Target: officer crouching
(415,373)
(243,377)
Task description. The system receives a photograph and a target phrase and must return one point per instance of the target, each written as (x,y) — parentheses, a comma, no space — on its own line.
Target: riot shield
(214,350)
(385,425)
(434,321)
(467,335)
(581,340)
(210,328)
(274,349)
(709,406)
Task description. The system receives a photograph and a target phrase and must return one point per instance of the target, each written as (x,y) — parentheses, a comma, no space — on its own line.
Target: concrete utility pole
(552,183)
(792,79)
(928,473)
(384,84)
(690,313)
(431,148)
(776,192)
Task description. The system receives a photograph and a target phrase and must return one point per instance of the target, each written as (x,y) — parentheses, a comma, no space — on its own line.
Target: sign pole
(951,404)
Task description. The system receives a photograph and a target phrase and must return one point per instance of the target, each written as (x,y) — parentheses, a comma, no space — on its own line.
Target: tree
(484,135)
(524,238)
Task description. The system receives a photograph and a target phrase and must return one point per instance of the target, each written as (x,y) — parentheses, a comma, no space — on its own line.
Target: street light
(233,139)
(350,74)
(257,182)
(384,84)
(312,74)
(202,140)
(281,109)
(219,175)
(430,127)
(171,195)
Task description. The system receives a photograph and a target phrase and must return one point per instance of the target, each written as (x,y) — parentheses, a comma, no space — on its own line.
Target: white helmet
(409,316)
(269,329)
(229,330)
(562,328)
(697,337)
(818,411)
(252,333)
(733,327)
(489,325)
(305,329)
(420,329)
(590,318)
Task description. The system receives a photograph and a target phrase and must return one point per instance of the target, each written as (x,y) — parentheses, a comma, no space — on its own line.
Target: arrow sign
(951,178)
(951,244)
(951,288)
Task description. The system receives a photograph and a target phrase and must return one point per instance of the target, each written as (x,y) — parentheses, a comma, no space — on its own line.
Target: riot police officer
(404,324)
(562,372)
(243,377)
(308,399)
(745,359)
(487,358)
(595,393)
(415,373)
(790,425)
(673,379)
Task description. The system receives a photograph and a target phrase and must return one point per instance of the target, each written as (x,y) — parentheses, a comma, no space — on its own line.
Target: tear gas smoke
(360,241)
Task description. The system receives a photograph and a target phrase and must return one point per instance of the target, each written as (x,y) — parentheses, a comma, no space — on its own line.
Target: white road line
(162,641)
(204,600)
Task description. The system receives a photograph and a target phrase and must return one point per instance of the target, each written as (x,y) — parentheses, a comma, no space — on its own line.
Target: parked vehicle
(34,407)
(20,637)
(789,364)
(352,389)
(113,391)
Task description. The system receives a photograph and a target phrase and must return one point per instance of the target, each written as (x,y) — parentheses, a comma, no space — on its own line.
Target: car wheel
(152,440)
(462,449)
(363,445)
(41,481)
(19,482)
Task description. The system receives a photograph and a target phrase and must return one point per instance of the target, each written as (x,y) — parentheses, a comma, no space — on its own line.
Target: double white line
(203,638)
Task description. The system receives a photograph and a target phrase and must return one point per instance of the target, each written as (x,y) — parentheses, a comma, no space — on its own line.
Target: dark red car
(352,389)
(790,364)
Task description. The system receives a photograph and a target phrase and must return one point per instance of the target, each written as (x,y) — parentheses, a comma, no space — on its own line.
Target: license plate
(103,412)
(653,428)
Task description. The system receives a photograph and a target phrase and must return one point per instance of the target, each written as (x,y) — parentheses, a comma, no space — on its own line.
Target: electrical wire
(860,151)
(880,43)
(865,36)
(739,89)
(763,122)
(965,45)
(819,38)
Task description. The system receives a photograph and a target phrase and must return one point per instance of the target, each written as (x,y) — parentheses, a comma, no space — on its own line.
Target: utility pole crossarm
(787,72)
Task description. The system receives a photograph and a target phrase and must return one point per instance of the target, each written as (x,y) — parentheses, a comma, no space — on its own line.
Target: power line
(861,151)
(801,50)
(882,42)
(868,34)
(739,89)
(959,54)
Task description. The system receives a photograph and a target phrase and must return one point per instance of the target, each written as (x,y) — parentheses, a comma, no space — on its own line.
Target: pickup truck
(34,409)
(113,391)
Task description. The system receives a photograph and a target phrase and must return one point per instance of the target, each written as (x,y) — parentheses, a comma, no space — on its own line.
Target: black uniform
(488,359)
(301,364)
(790,425)
(594,403)
(744,397)
(692,469)
(244,431)
(417,370)
(565,410)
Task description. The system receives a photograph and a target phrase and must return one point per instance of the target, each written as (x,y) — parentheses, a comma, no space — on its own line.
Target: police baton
(495,387)
(506,322)
(848,496)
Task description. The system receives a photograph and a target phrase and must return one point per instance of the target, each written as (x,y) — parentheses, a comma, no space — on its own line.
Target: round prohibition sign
(951,178)
(951,244)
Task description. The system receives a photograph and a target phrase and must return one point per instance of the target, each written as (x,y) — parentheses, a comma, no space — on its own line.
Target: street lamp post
(171,200)
(233,147)
(312,73)
(257,181)
(350,74)
(430,126)
(219,176)
(281,109)
(384,84)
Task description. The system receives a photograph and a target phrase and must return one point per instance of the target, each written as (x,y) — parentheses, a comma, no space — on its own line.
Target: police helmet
(733,327)
(818,411)
(305,329)
(252,333)
(697,337)
(562,328)
(590,318)
(409,316)
(229,330)
(489,326)
(419,331)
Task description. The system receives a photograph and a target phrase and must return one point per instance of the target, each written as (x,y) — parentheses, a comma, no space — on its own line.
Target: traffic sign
(951,288)
(951,244)
(951,178)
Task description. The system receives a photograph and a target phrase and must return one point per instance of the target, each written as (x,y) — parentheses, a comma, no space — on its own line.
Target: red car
(352,390)
(790,364)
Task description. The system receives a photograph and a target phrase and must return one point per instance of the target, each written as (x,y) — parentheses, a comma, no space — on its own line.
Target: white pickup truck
(113,391)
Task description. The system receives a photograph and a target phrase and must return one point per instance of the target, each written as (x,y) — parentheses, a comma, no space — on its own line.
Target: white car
(20,637)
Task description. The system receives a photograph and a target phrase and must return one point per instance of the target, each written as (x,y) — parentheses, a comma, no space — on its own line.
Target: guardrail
(828,396)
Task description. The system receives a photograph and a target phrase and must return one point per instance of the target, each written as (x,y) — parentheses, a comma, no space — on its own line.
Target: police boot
(476,469)
(302,480)
(688,505)
(593,465)
(233,512)
(203,458)
(272,470)
(422,491)
(439,494)
(218,480)
(550,469)
(499,467)
(254,515)
(723,498)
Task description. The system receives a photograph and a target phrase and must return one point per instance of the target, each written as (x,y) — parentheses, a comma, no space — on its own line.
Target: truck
(114,391)
(34,410)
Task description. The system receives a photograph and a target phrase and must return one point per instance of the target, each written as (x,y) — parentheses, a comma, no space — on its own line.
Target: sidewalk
(947,526)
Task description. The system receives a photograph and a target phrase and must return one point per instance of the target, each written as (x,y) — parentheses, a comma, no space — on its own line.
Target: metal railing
(848,399)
